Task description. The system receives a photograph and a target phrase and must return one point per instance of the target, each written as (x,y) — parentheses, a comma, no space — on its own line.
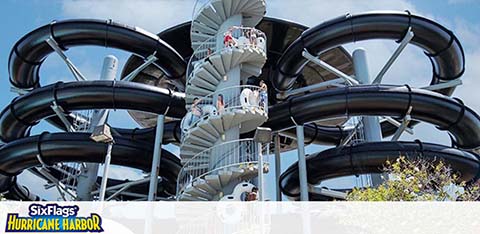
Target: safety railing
(199,6)
(242,97)
(203,51)
(242,154)
(234,37)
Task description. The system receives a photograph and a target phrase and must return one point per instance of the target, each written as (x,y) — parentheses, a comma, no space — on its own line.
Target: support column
(103,185)
(371,124)
(278,166)
(157,153)
(261,190)
(302,164)
(86,181)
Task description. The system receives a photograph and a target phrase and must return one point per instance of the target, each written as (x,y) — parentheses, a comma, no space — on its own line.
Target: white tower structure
(228,53)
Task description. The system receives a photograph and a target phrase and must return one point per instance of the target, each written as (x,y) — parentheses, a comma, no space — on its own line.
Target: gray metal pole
(108,159)
(157,154)
(278,167)
(88,178)
(371,124)
(302,164)
(261,186)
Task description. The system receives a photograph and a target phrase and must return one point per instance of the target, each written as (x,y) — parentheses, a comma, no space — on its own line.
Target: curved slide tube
(370,158)
(29,52)
(27,110)
(382,100)
(445,52)
(77,147)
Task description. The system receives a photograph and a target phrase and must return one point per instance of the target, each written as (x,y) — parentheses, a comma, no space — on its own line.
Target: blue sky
(461,16)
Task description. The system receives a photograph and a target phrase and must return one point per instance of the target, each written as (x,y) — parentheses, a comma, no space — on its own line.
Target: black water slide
(31,50)
(27,110)
(370,157)
(447,58)
(441,46)
(448,114)
(52,148)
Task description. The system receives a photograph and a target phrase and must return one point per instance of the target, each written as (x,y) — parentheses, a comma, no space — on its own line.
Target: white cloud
(153,16)
(313,12)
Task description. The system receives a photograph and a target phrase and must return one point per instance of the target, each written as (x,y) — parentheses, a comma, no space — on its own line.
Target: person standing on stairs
(263,95)
(220,104)
(228,39)
(253,37)
(196,111)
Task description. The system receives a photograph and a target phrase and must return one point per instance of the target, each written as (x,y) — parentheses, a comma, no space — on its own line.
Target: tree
(418,180)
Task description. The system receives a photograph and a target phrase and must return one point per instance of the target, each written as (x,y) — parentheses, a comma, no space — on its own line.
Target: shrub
(418,180)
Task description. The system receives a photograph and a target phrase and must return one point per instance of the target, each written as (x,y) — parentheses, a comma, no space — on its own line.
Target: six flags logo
(53,218)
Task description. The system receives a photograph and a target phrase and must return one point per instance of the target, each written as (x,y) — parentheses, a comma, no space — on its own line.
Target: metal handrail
(203,51)
(244,151)
(245,33)
(201,6)
(231,99)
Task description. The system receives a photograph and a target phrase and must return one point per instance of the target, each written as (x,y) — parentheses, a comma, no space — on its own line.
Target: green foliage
(418,180)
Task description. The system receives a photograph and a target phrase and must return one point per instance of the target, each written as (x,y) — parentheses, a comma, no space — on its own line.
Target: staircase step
(253,6)
(210,13)
(214,181)
(225,177)
(204,74)
(217,122)
(203,19)
(200,36)
(240,6)
(227,118)
(236,57)
(227,6)
(200,27)
(217,63)
(213,71)
(248,5)
(193,148)
(227,59)
(194,90)
(199,141)
(203,185)
(197,193)
(218,7)
(209,128)
(202,133)
(237,172)
(252,69)
(202,83)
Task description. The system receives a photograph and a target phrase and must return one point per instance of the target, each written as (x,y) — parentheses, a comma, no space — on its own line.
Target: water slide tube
(77,147)
(445,52)
(446,113)
(370,157)
(447,58)
(31,50)
(24,65)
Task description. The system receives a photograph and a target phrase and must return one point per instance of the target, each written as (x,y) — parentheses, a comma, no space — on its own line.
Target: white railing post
(157,153)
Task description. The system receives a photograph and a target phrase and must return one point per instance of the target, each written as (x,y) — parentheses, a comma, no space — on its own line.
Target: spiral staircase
(220,105)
